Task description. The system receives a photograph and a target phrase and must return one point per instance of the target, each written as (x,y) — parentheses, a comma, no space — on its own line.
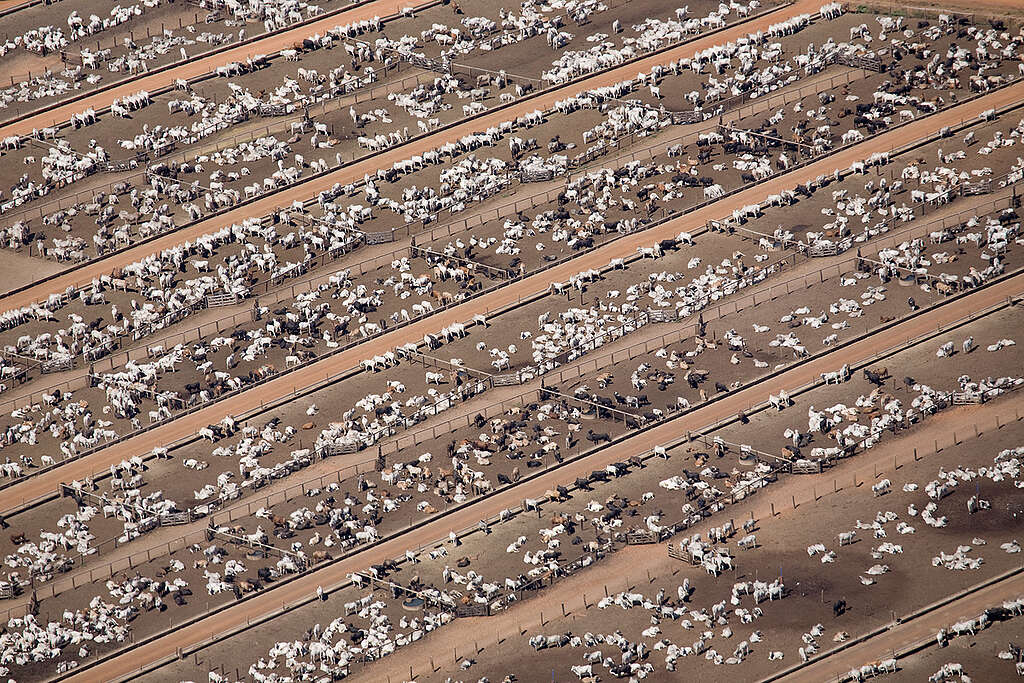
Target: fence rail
(866,62)
(217,300)
(433,257)
(805,466)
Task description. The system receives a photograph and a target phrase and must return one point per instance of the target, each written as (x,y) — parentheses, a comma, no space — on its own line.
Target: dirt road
(303,588)
(268,43)
(357,171)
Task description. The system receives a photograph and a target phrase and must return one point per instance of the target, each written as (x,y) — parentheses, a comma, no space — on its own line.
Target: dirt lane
(49,481)
(304,587)
(269,43)
(356,172)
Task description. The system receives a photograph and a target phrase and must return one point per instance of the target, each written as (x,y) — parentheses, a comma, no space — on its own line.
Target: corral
(402,342)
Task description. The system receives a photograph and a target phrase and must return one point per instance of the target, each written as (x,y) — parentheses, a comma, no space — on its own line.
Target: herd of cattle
(180,166)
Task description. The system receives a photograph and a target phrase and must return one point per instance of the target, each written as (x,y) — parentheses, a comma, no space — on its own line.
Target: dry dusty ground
(777,538)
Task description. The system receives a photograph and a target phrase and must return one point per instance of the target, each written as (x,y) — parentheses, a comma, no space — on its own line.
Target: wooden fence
(536,175)
(866,62)
(339,448)
(823,250)
(683,117)
(677,553)
(473,610)
(176,518)
(662,315)
(962,398)
(59,364)
(980,187)
(266,109)
(432,257)
(299,561)
(641,537)
(428,64)
(224,299)
(378,237)
(805,466)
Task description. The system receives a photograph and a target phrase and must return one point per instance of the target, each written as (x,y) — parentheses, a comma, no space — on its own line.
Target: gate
(428,64)
(378,237)
(861,62)
(57,365)
(536,175)
(591,153)
(119,166)
(660,315)
(980,187)
(164,148)
(805,466)
(677,553)
(226,299)
(175,518)
(681,117)
(265,109)
(821,250)
(963,398)
(473,610)
(505,380)
(340,448)
(641,537)
(70,58)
